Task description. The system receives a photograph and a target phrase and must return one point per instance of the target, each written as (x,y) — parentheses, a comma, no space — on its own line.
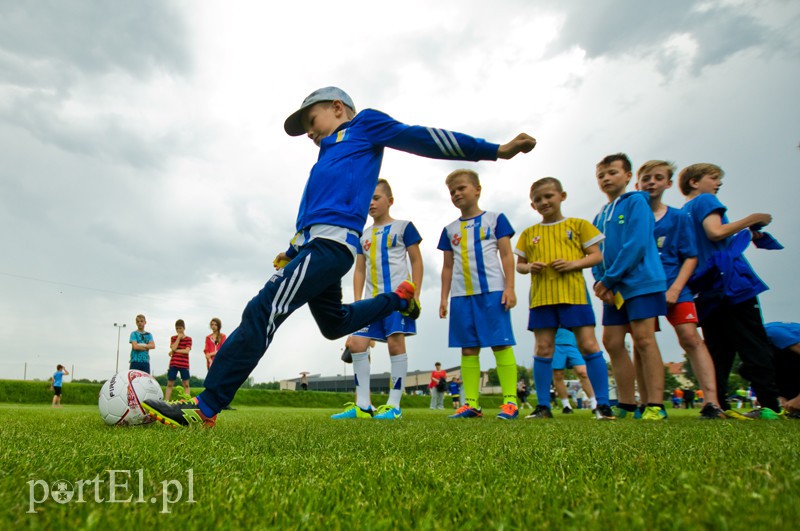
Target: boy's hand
(760,221)
(522,143)
(443,309)
(280,261)
(536,267)
(562,266)
(603,293)
(509,299)
(672,296)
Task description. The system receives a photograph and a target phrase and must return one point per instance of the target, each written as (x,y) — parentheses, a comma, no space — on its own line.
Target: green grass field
(293,468)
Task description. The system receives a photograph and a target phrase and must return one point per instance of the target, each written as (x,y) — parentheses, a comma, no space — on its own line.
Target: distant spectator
(214,340)
(522,394)
(688,398)
(438,386)
(179,347)
(55,384)
(784,339)
(455,393)
(141,345)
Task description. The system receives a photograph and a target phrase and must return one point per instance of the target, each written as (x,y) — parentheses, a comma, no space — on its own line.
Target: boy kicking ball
(332,214)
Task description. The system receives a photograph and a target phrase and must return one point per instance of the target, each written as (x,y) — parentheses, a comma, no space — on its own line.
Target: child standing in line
(567,356)
(141,344)
(179,347)
(631,283)
(726,290)
(332,214)
(678,252)
(56,383)
(385,251)
(482,290)
(554,253)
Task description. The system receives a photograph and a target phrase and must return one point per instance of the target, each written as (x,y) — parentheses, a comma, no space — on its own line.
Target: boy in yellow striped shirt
(554,253)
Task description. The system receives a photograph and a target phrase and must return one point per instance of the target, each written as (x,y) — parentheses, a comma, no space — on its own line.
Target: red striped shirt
(179,360)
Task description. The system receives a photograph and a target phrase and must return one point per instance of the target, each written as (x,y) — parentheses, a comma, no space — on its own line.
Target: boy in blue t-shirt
(631,283)
(56,383)
(481,291)
(332,214)
(726,290)
(678,251)
(141,344)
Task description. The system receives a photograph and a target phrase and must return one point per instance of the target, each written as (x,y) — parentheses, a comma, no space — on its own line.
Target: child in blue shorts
(386,250)
(554,253)
(567,356)
(631,283)
(482,291)
(678,252)
(332,215)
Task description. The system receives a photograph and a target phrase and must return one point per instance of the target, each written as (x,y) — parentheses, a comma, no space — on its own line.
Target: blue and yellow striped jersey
(473,241)
(384,247)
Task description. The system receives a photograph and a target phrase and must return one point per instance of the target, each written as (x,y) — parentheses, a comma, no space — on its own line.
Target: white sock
(565,402)
(593,402)
(361,376)
(398,379)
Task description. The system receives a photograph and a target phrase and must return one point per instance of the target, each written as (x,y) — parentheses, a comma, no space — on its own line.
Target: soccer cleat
(764,413)
(637,415)
(406,291)
(179,413)
(711,412)
(735,415)
(508,411)
(466,412)
(604,412)
(622,413)
(792,413)
(654,413)
(567,411)
(352,411)
(387,412)
(541,412)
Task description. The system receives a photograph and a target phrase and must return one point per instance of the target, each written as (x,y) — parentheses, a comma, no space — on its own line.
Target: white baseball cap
(294,127)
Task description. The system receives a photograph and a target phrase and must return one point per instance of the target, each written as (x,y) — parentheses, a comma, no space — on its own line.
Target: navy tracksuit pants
(313,277)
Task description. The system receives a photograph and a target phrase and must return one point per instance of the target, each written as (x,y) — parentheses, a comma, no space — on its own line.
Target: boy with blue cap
(332,214)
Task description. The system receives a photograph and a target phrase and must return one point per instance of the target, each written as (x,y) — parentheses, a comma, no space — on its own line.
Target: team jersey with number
(473,241)
(568,240)
(384,247)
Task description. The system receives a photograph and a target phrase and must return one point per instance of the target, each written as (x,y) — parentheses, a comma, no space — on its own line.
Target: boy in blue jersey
(482,290)
(631,283)
(385,252)
(678,252)
(567,356)
(332,214)
(554,253)
(56,384)
(726,290)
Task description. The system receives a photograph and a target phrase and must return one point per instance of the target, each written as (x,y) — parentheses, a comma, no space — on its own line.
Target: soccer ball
(121,398)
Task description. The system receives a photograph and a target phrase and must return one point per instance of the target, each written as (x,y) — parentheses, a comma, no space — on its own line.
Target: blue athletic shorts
(393,324)
(143,366)
(561,315)
(480,321)
(566,357)
(641,307)
(172,372)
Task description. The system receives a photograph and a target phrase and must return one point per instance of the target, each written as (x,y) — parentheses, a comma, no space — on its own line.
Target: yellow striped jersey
(384,247)
(476,267)
(545,242)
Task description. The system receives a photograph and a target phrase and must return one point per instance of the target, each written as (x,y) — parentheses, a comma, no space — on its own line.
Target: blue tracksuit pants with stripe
(313,277)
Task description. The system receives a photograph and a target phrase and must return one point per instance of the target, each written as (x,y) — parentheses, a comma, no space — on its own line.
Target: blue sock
(598,374)
(204,409)
(542,379)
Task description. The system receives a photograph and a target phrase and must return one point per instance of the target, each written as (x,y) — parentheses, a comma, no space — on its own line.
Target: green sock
(507,374)
(471,376)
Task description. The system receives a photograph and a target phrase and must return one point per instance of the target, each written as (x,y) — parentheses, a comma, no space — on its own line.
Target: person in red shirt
(214,340)
(179,347)
(438,386)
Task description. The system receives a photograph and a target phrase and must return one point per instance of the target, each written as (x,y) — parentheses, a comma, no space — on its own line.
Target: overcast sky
(144,167)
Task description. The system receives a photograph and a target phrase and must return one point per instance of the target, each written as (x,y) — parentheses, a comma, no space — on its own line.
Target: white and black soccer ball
(121,398)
